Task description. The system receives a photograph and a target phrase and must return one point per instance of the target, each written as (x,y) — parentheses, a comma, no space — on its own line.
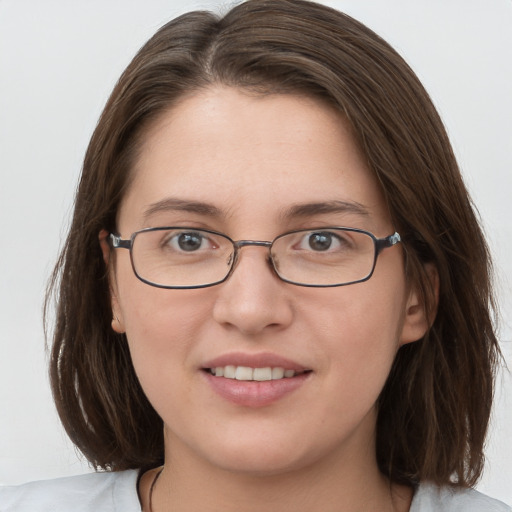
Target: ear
(417,320)
(117,317)
(105,247)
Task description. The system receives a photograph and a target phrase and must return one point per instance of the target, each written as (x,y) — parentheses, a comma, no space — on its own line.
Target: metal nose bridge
(242,243)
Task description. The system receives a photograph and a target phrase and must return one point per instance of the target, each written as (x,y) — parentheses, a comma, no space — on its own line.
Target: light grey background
(59,59)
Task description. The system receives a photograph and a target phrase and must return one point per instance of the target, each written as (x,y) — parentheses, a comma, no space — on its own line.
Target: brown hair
(435,406)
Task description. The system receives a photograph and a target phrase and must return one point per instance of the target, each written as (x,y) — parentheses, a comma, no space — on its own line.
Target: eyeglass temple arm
(117,242)
(389,241)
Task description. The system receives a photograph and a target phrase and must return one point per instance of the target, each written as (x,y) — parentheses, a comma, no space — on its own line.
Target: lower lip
(255,393)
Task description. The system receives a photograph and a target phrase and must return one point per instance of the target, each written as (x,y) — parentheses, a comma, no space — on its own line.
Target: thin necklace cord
(152,488)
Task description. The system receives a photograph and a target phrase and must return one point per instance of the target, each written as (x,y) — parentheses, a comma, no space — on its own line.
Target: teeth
(244,373)
(262,374)
(256,374)
(229,371)
(277,373)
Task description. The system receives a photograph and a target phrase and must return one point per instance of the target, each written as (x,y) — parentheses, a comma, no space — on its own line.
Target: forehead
(247,155)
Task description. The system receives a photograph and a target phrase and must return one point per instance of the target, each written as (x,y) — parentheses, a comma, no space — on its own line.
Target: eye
(322,241)
(189,241)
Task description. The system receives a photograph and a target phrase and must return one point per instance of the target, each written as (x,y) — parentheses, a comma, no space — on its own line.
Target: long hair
(434,409)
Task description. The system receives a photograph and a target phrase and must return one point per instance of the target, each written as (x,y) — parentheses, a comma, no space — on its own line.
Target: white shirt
(117,492)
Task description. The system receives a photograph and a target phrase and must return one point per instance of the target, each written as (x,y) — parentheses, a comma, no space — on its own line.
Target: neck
(334,484)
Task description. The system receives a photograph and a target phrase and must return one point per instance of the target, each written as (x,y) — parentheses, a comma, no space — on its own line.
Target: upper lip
(258,360)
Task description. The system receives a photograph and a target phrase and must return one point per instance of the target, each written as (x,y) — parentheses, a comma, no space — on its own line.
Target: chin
(261,457)
(262,466)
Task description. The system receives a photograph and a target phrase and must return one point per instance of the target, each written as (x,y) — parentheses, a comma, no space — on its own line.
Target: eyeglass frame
(379,244)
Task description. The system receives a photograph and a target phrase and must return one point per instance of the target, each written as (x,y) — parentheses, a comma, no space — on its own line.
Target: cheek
(162,327)
(359,328)
(163,320)
(362,342)
(162,331)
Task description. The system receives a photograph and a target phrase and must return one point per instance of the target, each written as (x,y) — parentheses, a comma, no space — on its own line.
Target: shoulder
(98,492)
(431,498)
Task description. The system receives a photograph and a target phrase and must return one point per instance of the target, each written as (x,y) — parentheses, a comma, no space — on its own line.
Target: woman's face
(255,167)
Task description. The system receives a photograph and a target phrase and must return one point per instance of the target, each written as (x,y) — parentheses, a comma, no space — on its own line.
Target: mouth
(247,373)
(254,380)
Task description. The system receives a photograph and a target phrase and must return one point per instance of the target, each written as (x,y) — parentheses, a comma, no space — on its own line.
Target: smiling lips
(256,380)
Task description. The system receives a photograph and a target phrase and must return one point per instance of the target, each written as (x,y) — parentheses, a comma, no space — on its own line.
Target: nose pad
(273,262)
(232,262)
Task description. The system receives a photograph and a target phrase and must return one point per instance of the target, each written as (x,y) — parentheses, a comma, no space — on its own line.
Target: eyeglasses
(184,257)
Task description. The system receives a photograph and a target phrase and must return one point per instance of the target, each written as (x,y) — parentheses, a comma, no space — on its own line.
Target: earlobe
(419,316)
(117,322)
(117,317)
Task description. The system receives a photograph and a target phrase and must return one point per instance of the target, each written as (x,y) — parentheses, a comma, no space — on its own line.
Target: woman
(274,293)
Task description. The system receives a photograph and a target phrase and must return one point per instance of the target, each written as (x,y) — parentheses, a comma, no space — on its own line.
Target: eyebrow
(327,207)
(297,210)
(182,205)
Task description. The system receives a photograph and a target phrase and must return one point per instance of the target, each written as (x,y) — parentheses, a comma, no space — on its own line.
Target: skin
(252,158)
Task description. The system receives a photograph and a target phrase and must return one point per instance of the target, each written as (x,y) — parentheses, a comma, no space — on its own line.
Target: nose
(253,299)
